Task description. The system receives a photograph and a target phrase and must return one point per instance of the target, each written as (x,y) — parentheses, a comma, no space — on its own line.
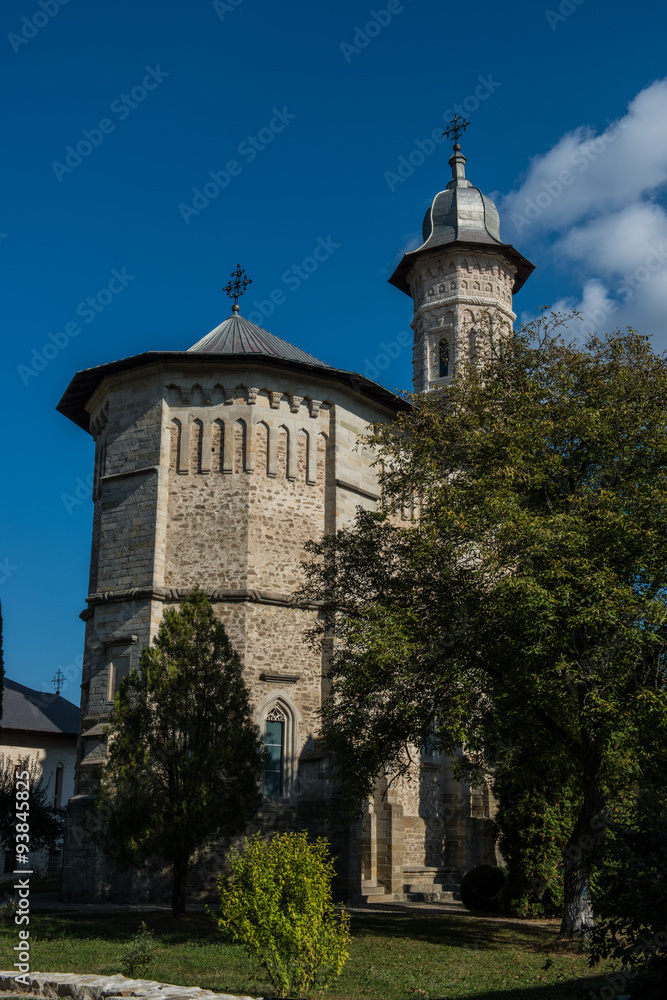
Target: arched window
(274,738)
(443,358)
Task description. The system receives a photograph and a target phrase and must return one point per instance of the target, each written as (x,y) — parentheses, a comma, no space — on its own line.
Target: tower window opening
(443,358)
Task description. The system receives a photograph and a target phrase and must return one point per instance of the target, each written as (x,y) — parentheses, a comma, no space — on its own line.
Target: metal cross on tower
(456,128)
(58,680)
(238,286)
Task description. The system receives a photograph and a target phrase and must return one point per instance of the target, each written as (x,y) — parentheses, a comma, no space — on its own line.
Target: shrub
(631,896)
(138,953)
(539,804)
(277,901)
(480,887)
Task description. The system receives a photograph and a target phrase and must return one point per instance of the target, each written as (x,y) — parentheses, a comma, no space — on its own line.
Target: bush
(630,899)
(538,807)
(277,901)
(480,887)
(138,953)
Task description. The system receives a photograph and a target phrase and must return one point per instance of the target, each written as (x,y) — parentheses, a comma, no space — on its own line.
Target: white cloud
(589,203)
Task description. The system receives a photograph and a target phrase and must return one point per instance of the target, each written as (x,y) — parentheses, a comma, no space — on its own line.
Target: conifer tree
(184,755)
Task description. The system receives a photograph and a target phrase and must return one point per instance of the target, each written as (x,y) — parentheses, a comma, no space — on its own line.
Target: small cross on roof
(456,128)
(238,286)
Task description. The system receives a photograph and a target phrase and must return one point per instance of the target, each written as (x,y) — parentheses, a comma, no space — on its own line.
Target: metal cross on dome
(456,128)
(58,680)
(238,286)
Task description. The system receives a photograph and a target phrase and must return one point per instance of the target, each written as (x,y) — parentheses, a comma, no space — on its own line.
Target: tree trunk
(589,833)
(180,875)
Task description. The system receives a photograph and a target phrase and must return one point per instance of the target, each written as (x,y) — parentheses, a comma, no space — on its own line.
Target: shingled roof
(237,335)
(37,711)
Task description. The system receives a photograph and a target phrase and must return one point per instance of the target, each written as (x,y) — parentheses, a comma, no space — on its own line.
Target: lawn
(393,956)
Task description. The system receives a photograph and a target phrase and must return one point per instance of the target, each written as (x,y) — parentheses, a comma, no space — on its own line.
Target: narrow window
(118,668)
(58,793)
(275,745)
(53,862)
(443,358)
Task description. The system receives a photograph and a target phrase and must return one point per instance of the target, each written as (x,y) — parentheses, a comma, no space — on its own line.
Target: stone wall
(456,295)
(217,480)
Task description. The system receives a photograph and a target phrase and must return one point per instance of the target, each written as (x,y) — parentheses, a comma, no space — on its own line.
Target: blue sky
(292,121)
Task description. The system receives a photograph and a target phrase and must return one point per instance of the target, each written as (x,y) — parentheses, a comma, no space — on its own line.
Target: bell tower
(461,278)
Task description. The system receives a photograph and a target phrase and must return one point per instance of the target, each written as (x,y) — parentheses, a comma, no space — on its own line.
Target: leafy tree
(529,593)
(46,822)
(184,758)
(277,901)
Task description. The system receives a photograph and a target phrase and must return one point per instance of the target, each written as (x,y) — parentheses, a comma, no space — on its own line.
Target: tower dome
(461,212)
(461,216)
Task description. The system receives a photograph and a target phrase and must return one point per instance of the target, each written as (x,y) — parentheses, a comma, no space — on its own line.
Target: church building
(213,467)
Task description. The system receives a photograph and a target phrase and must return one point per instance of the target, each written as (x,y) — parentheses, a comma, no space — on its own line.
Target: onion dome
(461,216)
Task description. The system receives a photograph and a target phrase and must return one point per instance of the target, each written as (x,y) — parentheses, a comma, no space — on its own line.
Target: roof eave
(73,402)
(524,268)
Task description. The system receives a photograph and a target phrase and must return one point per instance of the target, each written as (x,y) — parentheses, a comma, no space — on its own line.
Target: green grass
(393,956)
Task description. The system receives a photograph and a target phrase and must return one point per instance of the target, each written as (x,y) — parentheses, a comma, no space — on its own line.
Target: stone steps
(371,892)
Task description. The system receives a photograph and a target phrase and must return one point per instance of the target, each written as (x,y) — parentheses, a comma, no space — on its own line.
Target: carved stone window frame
(280,701)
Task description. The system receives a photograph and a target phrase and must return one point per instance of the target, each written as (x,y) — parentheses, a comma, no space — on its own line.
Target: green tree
(528,593)
(184,758)
(46,822)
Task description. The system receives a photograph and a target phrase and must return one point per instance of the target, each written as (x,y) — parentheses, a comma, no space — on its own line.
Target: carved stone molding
(295,403)
(179,594)
(275,399)
(280,678)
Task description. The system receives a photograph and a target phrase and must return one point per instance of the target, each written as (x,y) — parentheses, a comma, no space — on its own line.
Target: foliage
(185,756)
(277,901)
(393,955)
(480,887)
(138,953)
(46,822)
(538,805)
(530,588)
(631,897)
(9,909)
